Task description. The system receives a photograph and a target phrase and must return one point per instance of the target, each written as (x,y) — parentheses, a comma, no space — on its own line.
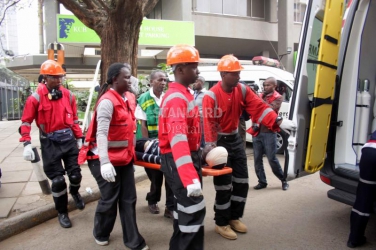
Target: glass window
(299,10)
(203,5)
(284,91)
(230,7)
(242,7)
(258,8)
(216,7)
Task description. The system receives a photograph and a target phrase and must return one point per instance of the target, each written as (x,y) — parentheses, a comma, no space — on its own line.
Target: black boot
(80,204)
(361,242)
(285,185)
(64,220)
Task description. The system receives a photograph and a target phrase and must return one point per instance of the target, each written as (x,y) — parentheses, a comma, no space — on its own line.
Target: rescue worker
(222,106)
(54,110)
(265,140)
(365,194)
(110,136)
(179,142)
(147,115)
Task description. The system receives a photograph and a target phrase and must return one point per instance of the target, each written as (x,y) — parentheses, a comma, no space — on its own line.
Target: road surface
(300,218)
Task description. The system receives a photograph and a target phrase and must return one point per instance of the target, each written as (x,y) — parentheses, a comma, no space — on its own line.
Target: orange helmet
(229,63)
(182,54)
(50,67)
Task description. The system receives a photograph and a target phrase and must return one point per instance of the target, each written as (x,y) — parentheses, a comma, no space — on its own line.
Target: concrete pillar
(51,9)
(285,32)
(271,9)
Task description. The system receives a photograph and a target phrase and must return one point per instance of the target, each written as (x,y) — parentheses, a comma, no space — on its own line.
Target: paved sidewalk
(22,203)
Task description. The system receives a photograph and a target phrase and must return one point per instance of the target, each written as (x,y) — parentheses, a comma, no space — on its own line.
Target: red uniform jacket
(49,115)
(179,130)
(274,100)
(221,110)
(90,138)
(121,130)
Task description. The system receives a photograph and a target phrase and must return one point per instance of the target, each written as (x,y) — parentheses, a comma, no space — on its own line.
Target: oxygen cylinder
(358,111)
(364,117)
(374,115)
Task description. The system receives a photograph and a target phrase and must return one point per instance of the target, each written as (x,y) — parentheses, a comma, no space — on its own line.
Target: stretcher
(205,170)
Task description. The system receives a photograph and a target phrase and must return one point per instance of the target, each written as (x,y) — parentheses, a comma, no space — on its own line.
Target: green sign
(152,32)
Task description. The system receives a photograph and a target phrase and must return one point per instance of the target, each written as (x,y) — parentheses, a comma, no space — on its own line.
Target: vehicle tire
(281,142)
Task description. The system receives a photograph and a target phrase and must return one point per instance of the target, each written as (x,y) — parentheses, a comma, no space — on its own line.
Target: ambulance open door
(315,76)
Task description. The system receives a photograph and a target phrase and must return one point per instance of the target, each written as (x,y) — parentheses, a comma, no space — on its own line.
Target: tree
(117,23)
(5,7)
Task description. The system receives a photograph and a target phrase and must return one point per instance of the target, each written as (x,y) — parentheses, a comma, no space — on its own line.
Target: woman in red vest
(112,128)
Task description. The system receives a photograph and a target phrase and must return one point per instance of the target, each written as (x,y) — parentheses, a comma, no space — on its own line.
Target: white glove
(194,189)
(79,143)
(28,153)
(108,172)
(287,126)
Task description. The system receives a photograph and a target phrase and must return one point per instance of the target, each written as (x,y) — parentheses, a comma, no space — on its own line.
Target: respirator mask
(55,94)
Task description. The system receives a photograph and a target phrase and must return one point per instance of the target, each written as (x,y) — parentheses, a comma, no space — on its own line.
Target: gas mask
(55,94)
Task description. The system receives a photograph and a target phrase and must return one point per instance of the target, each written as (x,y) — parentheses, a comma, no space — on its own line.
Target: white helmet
(217,157)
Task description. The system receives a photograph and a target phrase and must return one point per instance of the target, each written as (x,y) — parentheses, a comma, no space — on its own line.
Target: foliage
(143,84)
(166,68)
(82,98)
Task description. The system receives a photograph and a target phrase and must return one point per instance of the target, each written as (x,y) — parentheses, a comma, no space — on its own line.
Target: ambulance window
(313,53)
(283,90)
(252,85)
(210,84)
(261,85)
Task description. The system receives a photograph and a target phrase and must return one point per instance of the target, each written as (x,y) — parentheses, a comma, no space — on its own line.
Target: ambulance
(333,102)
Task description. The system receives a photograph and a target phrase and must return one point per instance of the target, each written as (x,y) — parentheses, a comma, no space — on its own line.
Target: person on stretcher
(147,150)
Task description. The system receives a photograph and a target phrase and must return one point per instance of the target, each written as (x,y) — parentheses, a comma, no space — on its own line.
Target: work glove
(287,126)
(108,172)
(79,143)
(194,189)
(28,153)
(206,150)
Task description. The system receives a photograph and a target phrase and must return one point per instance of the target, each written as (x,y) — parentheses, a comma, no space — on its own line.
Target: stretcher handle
(205,171)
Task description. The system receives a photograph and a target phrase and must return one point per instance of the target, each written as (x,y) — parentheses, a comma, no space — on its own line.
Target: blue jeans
(266,143)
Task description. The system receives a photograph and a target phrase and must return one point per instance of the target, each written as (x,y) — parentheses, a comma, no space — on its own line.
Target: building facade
(245,28)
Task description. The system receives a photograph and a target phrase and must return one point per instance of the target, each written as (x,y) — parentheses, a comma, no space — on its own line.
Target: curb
(30,219)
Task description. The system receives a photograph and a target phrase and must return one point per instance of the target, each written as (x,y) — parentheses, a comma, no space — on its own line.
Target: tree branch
(6,8)
(104,6)
(90,4)
(149,6)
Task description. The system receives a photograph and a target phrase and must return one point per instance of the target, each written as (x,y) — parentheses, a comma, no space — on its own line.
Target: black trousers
(53,154)
(231,189)
(154,196)
(120,193)
(365,195)
(189,212)
(242,131)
